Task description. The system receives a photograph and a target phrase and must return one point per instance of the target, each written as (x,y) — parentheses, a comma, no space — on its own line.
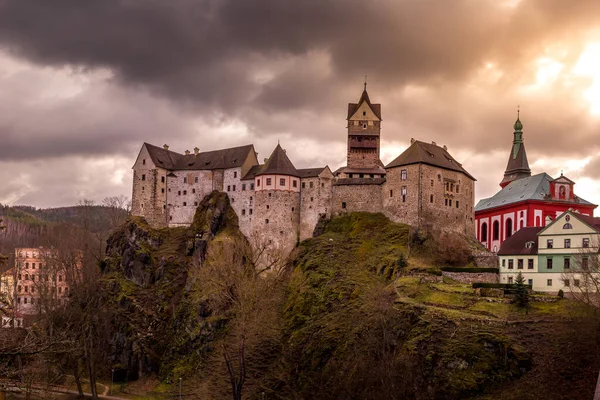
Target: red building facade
(524,200)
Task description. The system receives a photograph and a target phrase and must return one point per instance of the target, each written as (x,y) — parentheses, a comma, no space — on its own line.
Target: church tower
(517,166)
(364,125)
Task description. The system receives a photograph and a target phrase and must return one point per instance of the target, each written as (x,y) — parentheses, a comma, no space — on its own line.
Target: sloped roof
(516,244)
(252,172)
(517,166)
(310,172)
(278,163)
(161,157)
(427,153)
(377,170)
(352,107)
(536,187)
(592,221)
(217,159)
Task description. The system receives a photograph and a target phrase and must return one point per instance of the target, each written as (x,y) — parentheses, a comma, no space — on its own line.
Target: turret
(517,166)
(364,126)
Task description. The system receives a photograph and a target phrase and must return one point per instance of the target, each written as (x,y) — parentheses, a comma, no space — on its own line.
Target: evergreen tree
(522,293)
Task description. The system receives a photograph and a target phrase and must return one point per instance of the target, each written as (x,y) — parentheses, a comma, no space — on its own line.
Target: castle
(275,201)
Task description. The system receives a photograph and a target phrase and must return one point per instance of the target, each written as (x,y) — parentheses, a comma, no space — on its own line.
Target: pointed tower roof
(279,164)
(517,166)
(364,97)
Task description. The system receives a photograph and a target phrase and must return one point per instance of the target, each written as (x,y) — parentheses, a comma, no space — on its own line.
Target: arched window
(567,226)
(562,193)
(483,235)
(496,231)
(509,228)
(538,221)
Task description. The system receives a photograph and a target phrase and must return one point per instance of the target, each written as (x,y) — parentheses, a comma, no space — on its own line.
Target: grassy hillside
(350,317)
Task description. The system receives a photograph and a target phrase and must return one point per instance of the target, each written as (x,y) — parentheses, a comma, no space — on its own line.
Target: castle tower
(517,166)
(364,125)
(277,203)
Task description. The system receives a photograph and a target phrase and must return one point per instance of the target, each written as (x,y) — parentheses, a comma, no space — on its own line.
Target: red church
(524,200)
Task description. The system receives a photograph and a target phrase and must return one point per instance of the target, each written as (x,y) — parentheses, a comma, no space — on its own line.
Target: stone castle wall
(352,195)
(315,203)
(276,219)
(397,206)
(185,192)
(149,190)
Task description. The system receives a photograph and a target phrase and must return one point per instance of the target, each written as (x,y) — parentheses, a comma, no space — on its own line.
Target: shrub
(452,249)
(561,294)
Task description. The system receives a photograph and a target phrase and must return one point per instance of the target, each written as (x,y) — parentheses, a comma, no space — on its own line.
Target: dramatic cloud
(93,80)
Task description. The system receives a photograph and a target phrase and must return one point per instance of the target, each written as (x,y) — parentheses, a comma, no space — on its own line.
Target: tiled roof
(366,171)
(517,243)
(218,159)
(252,172)
(278,164)
(352,107)
(590,220)
(517,166)
(310,172)
(536,187)
(427,153)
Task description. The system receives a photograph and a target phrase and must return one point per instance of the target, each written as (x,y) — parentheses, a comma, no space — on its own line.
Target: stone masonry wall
(276,219)
(185,192)
(315,203)
(356,197)
(399,207)
(466,277)
(148,197)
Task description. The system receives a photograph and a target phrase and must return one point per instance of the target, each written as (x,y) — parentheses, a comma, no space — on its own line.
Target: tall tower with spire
(364,126)
(517,166)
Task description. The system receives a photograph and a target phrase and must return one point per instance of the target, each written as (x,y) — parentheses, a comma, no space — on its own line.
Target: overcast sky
(84,83)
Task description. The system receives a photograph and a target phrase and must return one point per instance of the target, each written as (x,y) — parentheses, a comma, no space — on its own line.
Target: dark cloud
(179,71)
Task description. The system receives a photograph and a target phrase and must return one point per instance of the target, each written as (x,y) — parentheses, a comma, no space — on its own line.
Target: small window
(233,188)
(511,264)
(530,282)
(295,183)
(403,174)
(252,187)
(196,179)
(457,188)
(510,279)
(162,190)
(567,282)
(196,203)
(312,198)
(576,282)
(268,181)
(520,263)
(432,183)
(293,209)
(567,243)
(549,263)
(243,187)
(268,207)
(270,194)
(235,174)
(250,211)
(586,242)
(185,192)
(391,193)
(144,161)
(143,177)
(567,263)
(258,182)
(303,185)
(185,179)
(549,282)
(550,243)
(310,184)
(450,202)
(456,203)
(184,203)
(504,262)
(343,204)
(530,263)
(266,221)
(193,190)
(585,262)
(431,198)
(445,202)
(162,179)
(228,188)
(282,182)
(243,212)
(364,113)
(439,178)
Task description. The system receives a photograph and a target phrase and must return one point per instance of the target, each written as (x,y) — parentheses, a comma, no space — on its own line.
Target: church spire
(518,166)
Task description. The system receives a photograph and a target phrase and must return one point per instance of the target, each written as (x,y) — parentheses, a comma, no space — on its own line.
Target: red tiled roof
(517,243)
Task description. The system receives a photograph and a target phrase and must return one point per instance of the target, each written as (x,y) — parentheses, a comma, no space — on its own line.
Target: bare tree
(118,207)
(582,278)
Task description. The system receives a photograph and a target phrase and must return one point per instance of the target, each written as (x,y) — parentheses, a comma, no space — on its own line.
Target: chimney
(166,146)
(433,143)
(196,150)
(412,140)
(445,147)
(187,152)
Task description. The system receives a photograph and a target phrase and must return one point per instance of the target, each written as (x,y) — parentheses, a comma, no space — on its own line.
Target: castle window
(269,194)
(510,279)
(250,211)
(567,243)
(193,190)
(403,194)
(232,200)
(431,198)
(258,182)
(585,262)
(250,198)
(25,298)
(391,193)
(456,203)
(310,185)
(185,179)
(268,181)
(169,190)
(171,218)
(445,202)
(322,185)
(350,175)
(586,243)
(268,206)
(439,178)
(282,182)
(432,183)
(311,199)
(361,175)
(235,174)
(496,230)
(142,206)
(179,193)
(19,288)
(293,209)
(251,188)
(403,175)
(144,161)
(243,212)
(266,221)
(450,202)
(196,179)
(32,265)
(26,265)
(234,188)
(162,190)
(196,203)
(511,264)
(364,114)
(343,204)
(228,188)
(185,192)
(364,126)
(143,188)
(303,185)
(162,179)
(295,183)
(457,188)
(143,177)
(243,187)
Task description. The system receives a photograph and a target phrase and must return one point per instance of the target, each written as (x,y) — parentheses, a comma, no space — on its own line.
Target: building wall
(276,220)
(356,197)
(435,198)
(363,127)
(315,203)
(185,191)
(149,190)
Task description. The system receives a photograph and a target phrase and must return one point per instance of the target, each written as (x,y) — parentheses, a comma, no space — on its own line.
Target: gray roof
(352,107)
(217,159)
(278,164)
(428,153)
(310,172)
(252,172)
(536,187)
